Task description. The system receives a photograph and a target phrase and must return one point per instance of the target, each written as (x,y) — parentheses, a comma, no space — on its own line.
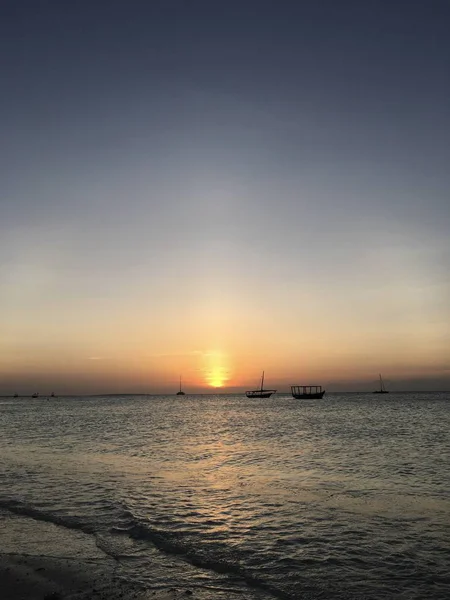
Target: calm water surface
(345,497)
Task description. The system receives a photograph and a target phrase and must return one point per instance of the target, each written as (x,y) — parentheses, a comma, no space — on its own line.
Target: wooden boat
(180,393)
(261,393)
(382,389)
(303,392)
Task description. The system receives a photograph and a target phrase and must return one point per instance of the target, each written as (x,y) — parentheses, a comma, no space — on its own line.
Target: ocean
(344,497)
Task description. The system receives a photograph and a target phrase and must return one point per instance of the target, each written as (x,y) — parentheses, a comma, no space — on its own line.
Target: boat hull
(259,394)
(315,396)
(380,392)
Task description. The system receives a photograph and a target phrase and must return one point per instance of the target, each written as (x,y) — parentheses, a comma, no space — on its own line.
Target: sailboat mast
(262,382)
(381,383)
(180,383)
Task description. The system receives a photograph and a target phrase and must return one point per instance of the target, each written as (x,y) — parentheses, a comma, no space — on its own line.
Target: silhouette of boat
(16,395)
(35,395)
(52,395)
(303,392)
(261,393)
(180,393)
(382,389)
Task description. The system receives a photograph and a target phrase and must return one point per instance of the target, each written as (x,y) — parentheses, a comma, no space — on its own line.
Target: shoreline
(40,560)
(47,578)
(25,577)
(43,561)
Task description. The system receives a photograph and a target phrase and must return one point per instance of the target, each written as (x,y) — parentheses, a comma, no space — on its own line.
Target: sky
(213,188)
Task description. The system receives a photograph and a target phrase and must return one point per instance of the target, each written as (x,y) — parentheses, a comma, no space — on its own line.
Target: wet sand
(41,578)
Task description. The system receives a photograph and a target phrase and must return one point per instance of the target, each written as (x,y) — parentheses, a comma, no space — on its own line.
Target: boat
(16,395)
(382,389)
(303,392)
(35,395)
(180,393)
(52,395)
(261,393)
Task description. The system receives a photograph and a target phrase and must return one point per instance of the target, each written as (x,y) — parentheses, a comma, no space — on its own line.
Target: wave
(176,543)
(169,542)
(26,510)
(66,521)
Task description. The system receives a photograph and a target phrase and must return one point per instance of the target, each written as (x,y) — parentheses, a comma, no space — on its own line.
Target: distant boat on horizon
(180,393)
(35,395)
(16,395)
(261,393)
(304,392)
(382,389)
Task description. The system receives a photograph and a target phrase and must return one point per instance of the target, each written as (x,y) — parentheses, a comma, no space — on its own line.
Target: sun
(216,377)
(216,374)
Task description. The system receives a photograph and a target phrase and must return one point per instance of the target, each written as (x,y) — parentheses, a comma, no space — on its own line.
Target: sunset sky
(213,188)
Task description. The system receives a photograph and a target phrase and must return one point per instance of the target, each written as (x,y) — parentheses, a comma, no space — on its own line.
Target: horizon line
(97,395)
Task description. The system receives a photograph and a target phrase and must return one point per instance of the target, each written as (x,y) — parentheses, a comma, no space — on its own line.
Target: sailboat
(382,389)
(180,393)
(261,393)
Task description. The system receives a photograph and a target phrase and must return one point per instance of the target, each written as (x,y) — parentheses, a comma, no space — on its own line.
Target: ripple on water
(344,497)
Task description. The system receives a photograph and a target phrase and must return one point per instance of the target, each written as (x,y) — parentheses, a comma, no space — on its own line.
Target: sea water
(344,497)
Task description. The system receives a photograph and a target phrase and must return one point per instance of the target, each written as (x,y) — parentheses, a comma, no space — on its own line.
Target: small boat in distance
(302,392)
(180,393)
(16,395)
(382,389)
(35,395)
(52,395)
(261,393)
